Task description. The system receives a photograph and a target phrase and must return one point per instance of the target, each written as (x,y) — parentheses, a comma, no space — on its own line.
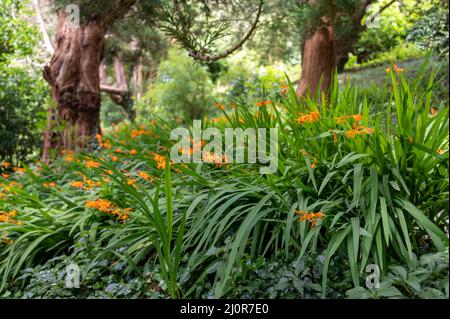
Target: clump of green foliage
(376,170)
(431,31)
(182,88)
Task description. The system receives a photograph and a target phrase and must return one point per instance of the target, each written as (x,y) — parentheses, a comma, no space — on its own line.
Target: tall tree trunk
(74,78)
(73,74)
(318,63)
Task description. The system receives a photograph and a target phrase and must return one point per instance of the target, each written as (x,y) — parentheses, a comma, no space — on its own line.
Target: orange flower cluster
(433,111)
(132,152)
(214,158)
(262,103)
(87,184)
(343,119)
(284,89)
(145,176)
(160,161)
(68,155)
(310,217)
(108,207)
(308,118)
(396,69)
(10,187)
(102,143)
(49,185)
(142,131)
(92,164)
(19,170)
(9,218)
(358,130)
(220,106)
(5,164)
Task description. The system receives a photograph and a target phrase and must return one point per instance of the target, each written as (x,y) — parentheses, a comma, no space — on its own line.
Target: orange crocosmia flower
(267,102)
(108,207)
(110,172)
(341,120)
(260,103)
(144,175)
(131,181)
(136,133)
(284,89)
(92,164)
(133,152)
(99,138)
(106,145)
(358,117)
(397,69)
(118,150)
(308,118)
(102,205)
(19,170)
(160,161)
(351,133)
(9,217)
(320,215)
(114,158)
(5,175)
(220,106)
(313,165)
(433,111)
(6,164)
(310,217)
(77,184)
(186,151)
(48,185)
(211,158)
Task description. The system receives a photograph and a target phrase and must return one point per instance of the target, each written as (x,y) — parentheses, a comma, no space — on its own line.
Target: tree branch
(48,43)
(202,57)
(386,6)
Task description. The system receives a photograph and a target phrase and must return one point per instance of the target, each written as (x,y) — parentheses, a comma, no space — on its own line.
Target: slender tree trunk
(74,78)
(318,63)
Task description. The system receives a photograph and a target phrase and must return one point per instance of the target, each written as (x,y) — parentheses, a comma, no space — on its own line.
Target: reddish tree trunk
(74,78)
(73,74)
(318,63)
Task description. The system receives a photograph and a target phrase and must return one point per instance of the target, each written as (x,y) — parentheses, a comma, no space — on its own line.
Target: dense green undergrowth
(139,226)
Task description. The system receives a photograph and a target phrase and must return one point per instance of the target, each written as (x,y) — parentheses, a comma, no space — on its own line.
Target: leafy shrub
(431,31)
(182,87)
(22,100)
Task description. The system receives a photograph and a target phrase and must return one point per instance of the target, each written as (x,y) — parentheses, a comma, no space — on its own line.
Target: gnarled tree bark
(73,74)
